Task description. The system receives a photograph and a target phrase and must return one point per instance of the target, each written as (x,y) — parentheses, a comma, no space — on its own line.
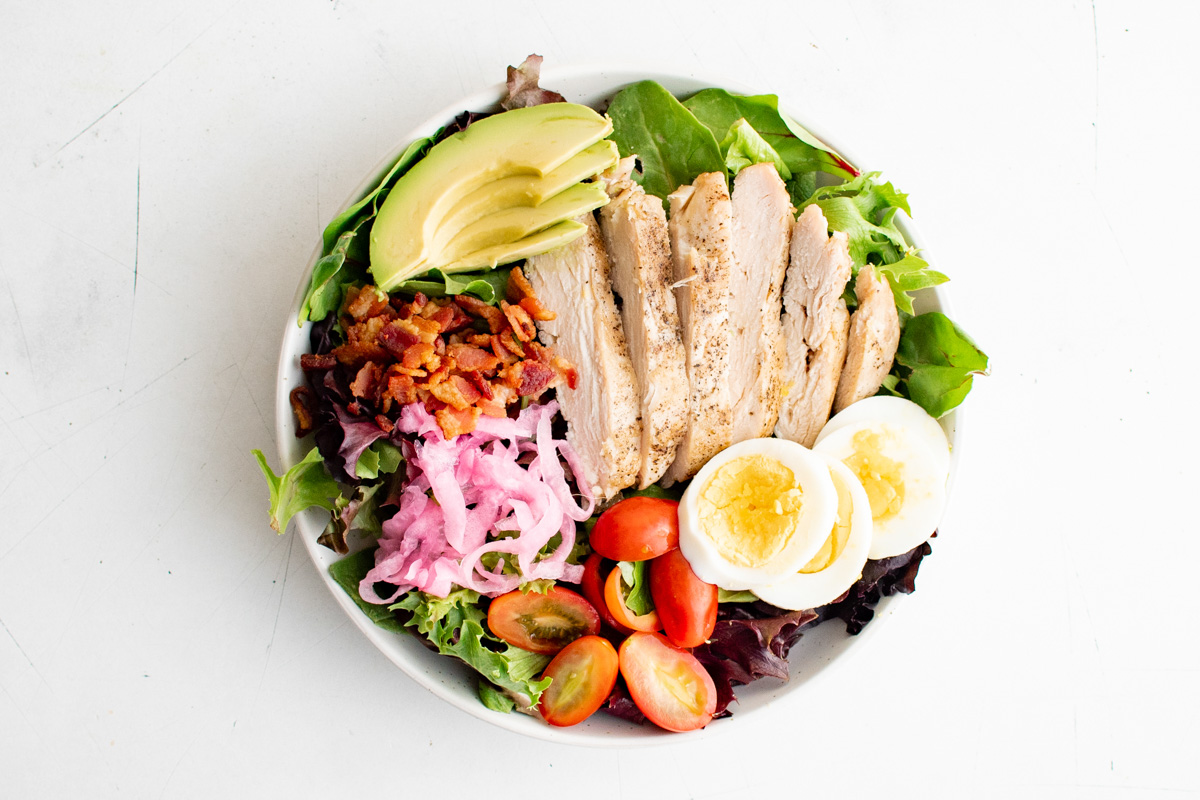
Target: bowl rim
(309,524)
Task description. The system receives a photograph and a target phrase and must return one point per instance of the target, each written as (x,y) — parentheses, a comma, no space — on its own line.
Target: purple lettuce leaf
(881,578)
(523,89)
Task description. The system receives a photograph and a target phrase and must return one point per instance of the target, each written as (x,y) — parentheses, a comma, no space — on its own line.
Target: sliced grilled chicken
(639,251)
(701,228)
(762,231)
(603,424)
(874,336)
(814,326)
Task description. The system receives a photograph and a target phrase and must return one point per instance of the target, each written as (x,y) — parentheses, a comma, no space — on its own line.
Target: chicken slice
(874,337)
(635,233)
(815,326)
(762,230)
(603,424)
(701,228)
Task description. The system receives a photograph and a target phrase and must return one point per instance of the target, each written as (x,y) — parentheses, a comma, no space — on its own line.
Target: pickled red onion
(483,501)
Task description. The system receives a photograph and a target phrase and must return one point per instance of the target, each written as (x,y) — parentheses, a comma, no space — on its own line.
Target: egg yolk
(749,508)
(882,477)
(836,542)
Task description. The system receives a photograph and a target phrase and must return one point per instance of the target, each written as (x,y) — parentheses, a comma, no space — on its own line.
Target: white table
(165,169)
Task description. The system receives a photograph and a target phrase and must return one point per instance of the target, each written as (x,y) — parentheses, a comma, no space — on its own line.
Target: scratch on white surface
(287,568)
(21,650)
(134,91)
(171,774)
(12,297)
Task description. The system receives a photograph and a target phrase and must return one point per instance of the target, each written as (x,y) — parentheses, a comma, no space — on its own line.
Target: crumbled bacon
(302,399)
(459,357)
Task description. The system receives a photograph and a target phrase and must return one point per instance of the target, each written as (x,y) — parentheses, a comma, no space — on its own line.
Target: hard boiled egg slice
(893,411)
(756,512)
(839,562)
(903,468)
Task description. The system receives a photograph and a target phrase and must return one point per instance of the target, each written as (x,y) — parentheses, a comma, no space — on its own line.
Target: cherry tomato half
(667,683)
(637,529)
(592,585)
(686,605)
(542,623)
(614,598)
(584,674)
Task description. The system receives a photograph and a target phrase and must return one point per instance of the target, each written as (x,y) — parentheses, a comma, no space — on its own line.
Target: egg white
(813,522)
(810,590)
(894,411)
(923,466)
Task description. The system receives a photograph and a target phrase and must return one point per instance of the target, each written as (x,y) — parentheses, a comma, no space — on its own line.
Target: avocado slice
(541,242)
(532,141)
(516,223)
(526,190)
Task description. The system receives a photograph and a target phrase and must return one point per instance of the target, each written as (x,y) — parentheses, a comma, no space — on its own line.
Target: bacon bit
(454,421)
(366,382)
(534,377)
(400,387)
(472,359)
(363,303)
(418,302)
(427,329)
(418,356)
(456,391)
(355,354)
(479,340)
(385,424)
(475,306)
(492,408)
(568,372)
(506,356)
(398,336)
(519,318)
(481,383)
(451,318)
(535,309)
(310,362)
(302,401)
(355,408)
(439,346)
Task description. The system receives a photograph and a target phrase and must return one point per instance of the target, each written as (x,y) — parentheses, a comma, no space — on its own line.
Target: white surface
(164,171)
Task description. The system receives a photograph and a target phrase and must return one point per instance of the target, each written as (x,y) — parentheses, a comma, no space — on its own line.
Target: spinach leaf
(489,285)
(348,574)
(940,360)
(672,146)
(802,152)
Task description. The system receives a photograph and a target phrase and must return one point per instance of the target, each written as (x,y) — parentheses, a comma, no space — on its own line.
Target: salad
(613,405)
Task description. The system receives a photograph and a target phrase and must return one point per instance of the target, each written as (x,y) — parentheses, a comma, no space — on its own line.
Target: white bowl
(820,648)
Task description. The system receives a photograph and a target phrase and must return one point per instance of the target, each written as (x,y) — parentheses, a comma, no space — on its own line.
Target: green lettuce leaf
(865,211)
(718,110)
(303,486)
(725,596)
(672,146)
(359,511)
(909,274)
(939,360)
(743,146)
(637,585)
(455,626)
(380,458)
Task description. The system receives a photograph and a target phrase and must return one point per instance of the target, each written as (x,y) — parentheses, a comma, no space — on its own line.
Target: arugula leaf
(455,626)
(802,152)
(865,210)
(633,576)
(303,486)
(328,283)
(940,359)
(909,274)
(672,146)
(743,146)
(348,573)
(489,286)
